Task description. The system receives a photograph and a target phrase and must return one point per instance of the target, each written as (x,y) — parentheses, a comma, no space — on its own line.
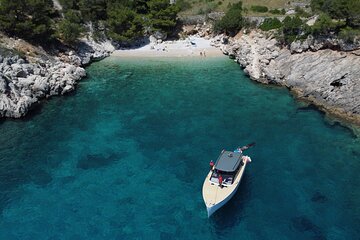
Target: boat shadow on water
(232,212)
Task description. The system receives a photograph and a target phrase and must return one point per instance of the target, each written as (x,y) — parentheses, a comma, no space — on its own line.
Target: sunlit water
(126,156)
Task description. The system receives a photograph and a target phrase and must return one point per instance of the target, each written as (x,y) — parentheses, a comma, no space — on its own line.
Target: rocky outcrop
(328,78)
(312,44)
(200,30)
(22,84)
(25,80)
(87,51)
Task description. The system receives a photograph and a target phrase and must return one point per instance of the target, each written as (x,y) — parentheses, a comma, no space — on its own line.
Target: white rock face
(23,84)
(328,78)
(90,50)
(20,87)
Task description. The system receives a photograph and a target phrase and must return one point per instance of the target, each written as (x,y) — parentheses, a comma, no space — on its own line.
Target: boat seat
(229,180)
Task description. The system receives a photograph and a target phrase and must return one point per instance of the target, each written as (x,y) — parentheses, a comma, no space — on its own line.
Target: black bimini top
(228,161)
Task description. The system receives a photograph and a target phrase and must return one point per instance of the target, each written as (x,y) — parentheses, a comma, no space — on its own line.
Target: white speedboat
(223,179)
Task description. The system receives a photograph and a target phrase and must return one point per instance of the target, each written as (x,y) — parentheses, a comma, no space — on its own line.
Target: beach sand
(178,48)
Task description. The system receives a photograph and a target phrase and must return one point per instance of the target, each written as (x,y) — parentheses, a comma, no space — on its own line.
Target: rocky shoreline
(329,79)
(25,80)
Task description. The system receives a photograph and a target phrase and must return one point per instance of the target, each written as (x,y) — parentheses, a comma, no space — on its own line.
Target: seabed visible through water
(125,158)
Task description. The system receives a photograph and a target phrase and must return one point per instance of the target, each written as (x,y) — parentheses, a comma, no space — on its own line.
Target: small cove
(126,156)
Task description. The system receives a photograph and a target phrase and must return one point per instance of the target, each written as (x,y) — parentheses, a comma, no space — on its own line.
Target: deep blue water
(125,158)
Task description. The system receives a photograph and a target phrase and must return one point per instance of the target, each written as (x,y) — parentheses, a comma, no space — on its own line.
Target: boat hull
(211,210)
(216,197)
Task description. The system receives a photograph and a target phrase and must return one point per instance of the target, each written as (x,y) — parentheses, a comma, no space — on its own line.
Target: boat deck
(213,194)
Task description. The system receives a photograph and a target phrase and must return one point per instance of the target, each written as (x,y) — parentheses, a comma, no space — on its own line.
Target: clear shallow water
(126,156)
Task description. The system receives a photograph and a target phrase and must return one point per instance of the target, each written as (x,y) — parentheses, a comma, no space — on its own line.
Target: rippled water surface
(125,158)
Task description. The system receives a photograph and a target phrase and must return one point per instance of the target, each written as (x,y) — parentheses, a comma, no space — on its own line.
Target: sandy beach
(190,47)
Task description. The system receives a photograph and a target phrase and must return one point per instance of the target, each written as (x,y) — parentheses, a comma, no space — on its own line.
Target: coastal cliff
(328,78)
(35,74)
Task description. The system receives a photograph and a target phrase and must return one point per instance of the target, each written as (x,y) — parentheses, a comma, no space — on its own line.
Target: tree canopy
(232,21)
(348,10)
(292,28)
(124,20)
(70,28)
(162,15)
(340,17)
(270,23)
(29,19)
(124,24)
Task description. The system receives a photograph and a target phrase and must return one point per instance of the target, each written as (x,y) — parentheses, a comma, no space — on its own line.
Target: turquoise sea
(125,157)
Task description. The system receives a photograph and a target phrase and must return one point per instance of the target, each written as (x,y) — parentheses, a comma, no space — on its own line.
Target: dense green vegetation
(277,11)
(339,9)
(29,19)
(232,22)
(335,18)
(270,23)
(259,8)
(292,29)
(123,20)
(127,20)
(324,25)
(70,28)
(339,17)
(301,12)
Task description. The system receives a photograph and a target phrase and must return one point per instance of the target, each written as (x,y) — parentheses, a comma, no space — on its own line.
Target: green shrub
(232,21)
(200,11)
(210,7)
(27,19)
(323,25)
(270,23)
(316,5)
(339,9)
(183,4)
(275,11)
(301,12)
(68,4)
(259,8)
(349,34)
(292,28)
(124,25)
(162,15)
(70,28)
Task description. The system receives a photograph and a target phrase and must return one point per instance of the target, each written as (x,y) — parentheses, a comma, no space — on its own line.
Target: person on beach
(201,54)
(204,53)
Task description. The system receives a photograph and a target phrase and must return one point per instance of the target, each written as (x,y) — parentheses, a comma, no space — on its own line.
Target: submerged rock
(319,198)
(303,224)
(97,160)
